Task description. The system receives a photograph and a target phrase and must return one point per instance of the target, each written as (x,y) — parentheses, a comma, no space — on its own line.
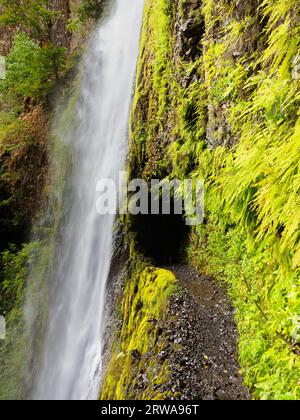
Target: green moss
(240,98)
(144,306)
(152,99)
(250,242)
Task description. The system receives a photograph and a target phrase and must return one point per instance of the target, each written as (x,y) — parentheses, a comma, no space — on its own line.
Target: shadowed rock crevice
(160,237)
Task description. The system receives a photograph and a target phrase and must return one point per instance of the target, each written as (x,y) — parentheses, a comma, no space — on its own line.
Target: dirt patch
(204,365)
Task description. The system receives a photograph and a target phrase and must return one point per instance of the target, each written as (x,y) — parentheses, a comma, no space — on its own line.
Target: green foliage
(84,11)
(251,240)
(14,273)
(37,17)
(244,92)
(168,107)
(267,303)
(91,9)
(153,101)
(31,68)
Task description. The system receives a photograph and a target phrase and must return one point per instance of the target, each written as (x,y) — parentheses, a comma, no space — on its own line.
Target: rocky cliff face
(217,97)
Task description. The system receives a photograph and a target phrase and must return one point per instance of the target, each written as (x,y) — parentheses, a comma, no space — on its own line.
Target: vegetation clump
(135,370)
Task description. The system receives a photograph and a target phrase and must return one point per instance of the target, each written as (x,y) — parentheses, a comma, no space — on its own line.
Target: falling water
(71,360)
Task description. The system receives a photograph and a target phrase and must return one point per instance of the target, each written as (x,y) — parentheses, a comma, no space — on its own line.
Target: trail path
(205,366)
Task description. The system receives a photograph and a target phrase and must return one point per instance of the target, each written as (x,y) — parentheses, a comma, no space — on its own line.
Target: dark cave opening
(161,238)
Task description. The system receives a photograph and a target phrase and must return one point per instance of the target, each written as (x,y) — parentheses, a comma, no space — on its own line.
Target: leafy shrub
(30,68)
(91,9)
(15,265)
(14,270)
(37,17)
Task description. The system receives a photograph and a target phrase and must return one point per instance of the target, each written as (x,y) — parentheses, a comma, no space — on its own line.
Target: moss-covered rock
(135,370)
(228,112)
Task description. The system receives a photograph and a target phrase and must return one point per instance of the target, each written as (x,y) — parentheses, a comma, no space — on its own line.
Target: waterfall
(70,365)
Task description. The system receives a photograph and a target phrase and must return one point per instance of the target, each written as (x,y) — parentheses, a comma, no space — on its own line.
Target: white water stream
(71,360)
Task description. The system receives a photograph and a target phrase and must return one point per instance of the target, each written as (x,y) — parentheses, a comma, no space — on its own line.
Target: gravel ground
(203,341)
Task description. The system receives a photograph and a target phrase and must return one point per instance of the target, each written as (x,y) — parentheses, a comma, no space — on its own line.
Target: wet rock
(189,31)
(136,355)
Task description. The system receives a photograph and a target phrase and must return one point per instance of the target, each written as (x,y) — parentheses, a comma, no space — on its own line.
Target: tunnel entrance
(162,238)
